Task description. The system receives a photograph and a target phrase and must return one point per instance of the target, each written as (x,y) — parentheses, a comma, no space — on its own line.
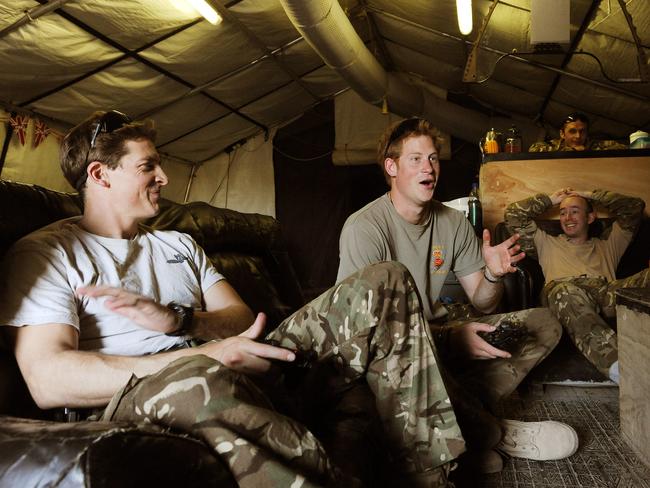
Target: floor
(603,458)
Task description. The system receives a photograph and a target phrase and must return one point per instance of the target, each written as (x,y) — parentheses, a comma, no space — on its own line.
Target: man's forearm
(227,322)
(88,379)
(628,211)
(520,218)
(487,295)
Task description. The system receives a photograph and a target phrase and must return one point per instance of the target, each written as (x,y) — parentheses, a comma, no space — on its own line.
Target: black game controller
(304,359)
(507,335)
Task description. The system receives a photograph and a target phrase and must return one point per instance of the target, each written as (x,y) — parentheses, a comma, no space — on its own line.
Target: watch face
(184,316)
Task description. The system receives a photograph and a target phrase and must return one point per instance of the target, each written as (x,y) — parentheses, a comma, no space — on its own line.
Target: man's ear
(391,166)
(561,133)
(97,174)
(591,216)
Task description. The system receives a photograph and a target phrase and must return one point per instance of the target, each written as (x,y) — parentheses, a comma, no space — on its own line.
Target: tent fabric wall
(241,180)
(358,125)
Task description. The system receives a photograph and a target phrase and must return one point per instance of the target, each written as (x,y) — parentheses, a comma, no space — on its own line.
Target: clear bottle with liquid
(475,210)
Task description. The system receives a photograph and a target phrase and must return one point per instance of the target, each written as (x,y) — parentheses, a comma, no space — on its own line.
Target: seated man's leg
(607,300)
(202,397)
(371,325)
(495,379)
(576,307)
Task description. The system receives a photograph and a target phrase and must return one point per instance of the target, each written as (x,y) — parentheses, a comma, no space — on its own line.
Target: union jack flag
(41,131)
(19,124)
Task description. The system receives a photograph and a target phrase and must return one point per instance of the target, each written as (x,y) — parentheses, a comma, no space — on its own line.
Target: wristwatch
(184,317)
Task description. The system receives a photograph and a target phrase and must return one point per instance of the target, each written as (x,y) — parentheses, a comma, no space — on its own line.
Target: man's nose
(161,176)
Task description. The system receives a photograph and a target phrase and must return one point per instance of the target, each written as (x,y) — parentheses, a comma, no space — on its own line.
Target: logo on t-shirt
(437,256)
(178,259)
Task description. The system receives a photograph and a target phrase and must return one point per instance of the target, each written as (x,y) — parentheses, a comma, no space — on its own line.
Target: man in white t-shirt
(99,309)
(430,239)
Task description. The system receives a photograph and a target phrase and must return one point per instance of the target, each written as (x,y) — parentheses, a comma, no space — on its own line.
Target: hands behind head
(468,344)
(558,196)
(500,259)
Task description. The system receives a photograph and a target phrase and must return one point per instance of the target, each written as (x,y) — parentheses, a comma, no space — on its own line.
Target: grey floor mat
(603,459)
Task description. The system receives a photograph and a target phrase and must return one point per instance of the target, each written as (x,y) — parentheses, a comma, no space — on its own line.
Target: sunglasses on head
(574,117)
(403,128)
(107,123)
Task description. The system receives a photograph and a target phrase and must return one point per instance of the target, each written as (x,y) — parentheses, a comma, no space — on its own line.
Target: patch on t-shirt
(438,258)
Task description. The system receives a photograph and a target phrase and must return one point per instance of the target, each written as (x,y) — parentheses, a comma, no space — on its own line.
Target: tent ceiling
(209,86)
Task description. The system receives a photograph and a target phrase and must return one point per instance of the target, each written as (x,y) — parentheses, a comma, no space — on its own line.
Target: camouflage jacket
(520,216)
(558,145)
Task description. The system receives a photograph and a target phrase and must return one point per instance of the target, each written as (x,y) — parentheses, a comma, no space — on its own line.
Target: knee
(544,325)
(386,272)
(562,294)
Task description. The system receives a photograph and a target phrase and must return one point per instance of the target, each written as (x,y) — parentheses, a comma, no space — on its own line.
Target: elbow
(43,390)
(44,397)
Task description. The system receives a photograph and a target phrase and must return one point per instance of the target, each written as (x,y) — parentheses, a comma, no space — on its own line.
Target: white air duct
(327,29)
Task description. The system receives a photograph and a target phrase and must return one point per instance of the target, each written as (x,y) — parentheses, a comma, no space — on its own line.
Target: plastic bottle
(475,210)
(491,144)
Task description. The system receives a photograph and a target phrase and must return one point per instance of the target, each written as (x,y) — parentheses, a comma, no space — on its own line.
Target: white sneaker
(540,441)
(613,373)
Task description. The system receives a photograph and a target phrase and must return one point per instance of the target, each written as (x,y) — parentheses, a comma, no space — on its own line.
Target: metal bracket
(644,74)
(469,75)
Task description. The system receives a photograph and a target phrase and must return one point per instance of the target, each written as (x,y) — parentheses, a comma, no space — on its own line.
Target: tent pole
(189,184)
(5,144)
(33,14)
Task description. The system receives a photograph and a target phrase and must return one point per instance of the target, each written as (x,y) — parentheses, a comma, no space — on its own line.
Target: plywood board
(504,182)
(634,364)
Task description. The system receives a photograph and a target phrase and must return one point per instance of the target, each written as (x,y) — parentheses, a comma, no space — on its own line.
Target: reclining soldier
(579,270)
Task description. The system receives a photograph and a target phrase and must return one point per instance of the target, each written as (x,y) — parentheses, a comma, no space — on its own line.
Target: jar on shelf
(513,140)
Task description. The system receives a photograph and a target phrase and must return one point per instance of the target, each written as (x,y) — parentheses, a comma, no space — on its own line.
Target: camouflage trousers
(370,326)
(476,387)
(579,302)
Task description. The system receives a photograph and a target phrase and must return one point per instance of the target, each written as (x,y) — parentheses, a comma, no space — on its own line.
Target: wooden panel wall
(503,182)
(634,364)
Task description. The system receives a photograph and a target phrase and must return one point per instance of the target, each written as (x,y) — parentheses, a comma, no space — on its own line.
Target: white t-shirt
(41,272)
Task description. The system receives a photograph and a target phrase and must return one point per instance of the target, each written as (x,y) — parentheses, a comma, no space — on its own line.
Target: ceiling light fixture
(464,12)
(206,10)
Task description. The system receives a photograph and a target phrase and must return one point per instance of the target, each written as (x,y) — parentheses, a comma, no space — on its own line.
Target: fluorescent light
(464,12)
(206,10)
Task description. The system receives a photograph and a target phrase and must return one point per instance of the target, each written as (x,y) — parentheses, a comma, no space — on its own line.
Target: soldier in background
(574,136)
(579,271)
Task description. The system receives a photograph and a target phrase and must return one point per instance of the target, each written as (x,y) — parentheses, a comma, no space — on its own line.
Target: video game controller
(507,335)
(304,359)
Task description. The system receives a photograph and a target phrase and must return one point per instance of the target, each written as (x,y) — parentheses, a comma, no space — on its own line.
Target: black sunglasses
(574,117)
(403,128)
(107,123)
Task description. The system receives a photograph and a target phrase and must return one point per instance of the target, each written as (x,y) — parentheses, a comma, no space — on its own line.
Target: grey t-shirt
(41,272)
(445,242)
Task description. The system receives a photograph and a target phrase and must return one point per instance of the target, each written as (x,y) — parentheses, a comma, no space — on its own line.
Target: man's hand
(558,196)
(142,310)
(467,343)
(586,194)
(501,258)
(244,354)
